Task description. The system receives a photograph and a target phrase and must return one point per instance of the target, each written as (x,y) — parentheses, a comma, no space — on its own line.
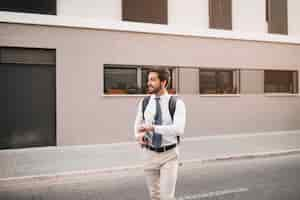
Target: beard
(154,90)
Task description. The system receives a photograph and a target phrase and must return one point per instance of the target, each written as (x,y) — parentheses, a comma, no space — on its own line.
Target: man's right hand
(141,138)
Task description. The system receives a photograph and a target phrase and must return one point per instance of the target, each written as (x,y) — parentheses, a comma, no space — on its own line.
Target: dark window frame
(139,90)
(216,20)
(131,13)
(291,84)
(234,84)
(117,67)
(11,7)
(277,27)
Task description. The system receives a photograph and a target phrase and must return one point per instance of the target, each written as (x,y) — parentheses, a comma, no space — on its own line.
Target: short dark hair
(163,73)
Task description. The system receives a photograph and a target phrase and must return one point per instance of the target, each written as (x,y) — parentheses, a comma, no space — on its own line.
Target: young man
(158,131)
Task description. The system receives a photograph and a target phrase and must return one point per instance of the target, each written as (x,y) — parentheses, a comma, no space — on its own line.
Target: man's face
(154,84)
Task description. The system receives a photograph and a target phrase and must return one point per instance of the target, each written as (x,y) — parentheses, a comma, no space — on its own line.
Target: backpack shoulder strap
(172,106)
(144,105)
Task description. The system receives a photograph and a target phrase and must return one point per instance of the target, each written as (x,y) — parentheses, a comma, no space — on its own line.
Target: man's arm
(138,121)
(177,128)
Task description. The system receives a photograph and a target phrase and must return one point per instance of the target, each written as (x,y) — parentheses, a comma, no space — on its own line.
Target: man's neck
(162,92)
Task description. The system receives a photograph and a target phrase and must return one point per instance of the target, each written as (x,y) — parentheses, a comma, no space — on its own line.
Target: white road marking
(213,194)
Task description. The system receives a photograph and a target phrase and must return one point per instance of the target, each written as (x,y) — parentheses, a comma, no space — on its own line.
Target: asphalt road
(274,178)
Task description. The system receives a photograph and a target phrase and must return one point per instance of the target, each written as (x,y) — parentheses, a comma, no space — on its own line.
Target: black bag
(172,108)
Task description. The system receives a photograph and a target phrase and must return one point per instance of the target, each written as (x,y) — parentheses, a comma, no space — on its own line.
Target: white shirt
(168,129)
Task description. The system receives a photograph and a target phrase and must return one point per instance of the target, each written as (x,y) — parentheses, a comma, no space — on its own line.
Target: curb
(62,175)
(57,176)
(243,156)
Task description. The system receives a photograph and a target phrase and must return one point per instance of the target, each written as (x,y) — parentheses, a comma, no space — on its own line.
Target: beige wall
(84,116)
(252,82)
(191,15)
(188,80)
(244,19)
(293,18)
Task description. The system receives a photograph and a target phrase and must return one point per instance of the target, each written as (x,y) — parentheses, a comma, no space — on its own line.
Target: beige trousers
(161,170)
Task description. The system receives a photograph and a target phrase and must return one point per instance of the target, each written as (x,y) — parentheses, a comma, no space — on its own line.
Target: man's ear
(164,83)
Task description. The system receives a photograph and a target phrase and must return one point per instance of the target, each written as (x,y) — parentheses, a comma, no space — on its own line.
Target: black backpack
(172,108)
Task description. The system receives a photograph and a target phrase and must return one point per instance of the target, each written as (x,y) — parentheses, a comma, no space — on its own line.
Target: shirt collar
(161,96)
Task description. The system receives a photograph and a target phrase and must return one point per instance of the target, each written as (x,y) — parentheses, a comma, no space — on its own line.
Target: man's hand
(146,128)
(142,131)
(141,138)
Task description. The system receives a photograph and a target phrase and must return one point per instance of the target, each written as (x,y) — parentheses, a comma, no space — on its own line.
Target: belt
(161,149)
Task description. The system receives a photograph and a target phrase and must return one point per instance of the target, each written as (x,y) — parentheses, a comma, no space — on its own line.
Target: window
(281,81)
(29,6)
(148,11)
(276,16)
(122,79)
(220,14)
(217,81)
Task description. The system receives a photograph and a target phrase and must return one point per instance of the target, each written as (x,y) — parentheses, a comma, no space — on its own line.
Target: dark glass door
(27,105)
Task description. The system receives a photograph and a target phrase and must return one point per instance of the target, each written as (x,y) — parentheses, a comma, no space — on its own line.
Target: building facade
(73,71)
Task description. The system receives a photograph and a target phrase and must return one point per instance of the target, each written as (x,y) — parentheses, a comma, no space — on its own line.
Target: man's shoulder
(176,97)
(179,100)
(144,99)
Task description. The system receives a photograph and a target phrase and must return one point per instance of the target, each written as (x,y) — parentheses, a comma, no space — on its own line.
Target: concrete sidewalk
(69,160)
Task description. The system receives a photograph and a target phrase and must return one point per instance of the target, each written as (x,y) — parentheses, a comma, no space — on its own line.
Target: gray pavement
(272,178)
(55,161)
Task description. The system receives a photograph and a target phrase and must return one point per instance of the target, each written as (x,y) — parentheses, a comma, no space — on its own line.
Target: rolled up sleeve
(178,125)
(138,119)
